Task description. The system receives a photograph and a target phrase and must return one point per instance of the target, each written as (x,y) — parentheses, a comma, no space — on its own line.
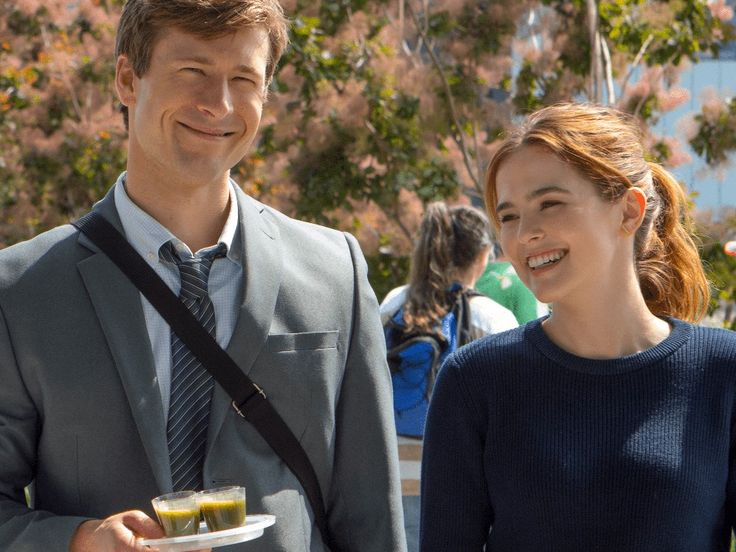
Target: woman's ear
(125,80)
(634,208)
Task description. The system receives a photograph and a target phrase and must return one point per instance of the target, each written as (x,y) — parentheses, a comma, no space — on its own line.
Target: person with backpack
(427,319)
(609,424)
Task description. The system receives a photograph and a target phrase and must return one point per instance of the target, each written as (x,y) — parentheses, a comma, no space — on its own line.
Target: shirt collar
(147,235)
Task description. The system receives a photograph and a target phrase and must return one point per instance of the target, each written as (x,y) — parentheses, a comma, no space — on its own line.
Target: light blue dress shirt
(147,235)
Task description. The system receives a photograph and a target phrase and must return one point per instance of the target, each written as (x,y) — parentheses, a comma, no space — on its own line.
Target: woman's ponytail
(428,279)
(449,241)
(671,273)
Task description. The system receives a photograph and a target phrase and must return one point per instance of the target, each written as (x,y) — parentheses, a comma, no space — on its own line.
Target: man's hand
(118,533)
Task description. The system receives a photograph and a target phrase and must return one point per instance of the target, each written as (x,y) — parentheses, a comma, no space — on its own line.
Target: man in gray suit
(87,369)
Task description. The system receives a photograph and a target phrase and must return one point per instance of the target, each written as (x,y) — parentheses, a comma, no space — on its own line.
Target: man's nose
(215,98)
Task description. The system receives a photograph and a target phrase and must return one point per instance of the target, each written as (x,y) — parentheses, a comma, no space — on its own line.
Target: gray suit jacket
(81,414)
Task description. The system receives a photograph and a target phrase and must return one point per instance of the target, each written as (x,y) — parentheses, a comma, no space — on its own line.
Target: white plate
(253,528)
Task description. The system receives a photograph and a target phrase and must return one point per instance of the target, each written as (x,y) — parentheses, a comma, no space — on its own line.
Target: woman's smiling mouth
(545,259)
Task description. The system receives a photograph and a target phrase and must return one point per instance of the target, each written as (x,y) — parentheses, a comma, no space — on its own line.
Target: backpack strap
(463,315)
(394,352)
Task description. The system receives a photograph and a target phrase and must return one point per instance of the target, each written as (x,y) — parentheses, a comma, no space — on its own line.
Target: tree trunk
(596,65)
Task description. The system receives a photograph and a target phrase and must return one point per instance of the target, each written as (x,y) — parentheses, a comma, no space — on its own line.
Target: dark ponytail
(449,241)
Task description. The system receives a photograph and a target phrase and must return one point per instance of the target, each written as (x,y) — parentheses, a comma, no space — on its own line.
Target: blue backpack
(415,359)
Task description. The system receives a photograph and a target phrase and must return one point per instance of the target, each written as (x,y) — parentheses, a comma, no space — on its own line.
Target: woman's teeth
(547,258)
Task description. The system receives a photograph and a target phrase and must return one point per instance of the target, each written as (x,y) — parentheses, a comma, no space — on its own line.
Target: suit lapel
(262,266)
(121,317)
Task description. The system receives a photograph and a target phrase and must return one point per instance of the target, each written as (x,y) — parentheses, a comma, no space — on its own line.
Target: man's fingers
(117,533)
(142,525)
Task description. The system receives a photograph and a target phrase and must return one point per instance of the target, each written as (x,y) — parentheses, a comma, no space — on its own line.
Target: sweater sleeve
(456,512)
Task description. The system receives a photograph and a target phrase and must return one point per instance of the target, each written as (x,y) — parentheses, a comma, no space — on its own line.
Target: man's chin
(196,172)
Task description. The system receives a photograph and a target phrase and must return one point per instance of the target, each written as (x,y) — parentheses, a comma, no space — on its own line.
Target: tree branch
(401,21)
(608,70)
(65,79)
(640,104)
(401,225)
(478,162)
(458,136)
(635,64)
(596,73)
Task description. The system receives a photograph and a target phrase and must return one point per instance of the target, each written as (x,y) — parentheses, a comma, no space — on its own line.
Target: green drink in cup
(178,513)
(223,507)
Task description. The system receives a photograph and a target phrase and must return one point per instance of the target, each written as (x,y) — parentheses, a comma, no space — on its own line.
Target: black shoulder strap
(249,400)
(463,316)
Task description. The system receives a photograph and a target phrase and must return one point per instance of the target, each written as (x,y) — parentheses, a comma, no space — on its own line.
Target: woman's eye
(193,70)
(546,204)
(507,218)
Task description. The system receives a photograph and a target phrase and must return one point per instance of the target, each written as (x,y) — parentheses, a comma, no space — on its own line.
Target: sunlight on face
(195,112)
(561,236)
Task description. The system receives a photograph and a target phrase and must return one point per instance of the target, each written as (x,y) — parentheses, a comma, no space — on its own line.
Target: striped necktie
(191,383)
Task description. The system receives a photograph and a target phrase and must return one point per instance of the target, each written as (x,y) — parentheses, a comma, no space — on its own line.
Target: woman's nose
(529,229)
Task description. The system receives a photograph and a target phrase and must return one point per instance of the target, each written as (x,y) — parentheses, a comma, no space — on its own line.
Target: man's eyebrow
(534,194)
(196,59)
(246,69)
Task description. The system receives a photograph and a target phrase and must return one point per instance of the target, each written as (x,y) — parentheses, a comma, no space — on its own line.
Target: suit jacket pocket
(302,341)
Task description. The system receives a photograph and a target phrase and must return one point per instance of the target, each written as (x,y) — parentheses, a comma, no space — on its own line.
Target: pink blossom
(672,98)
(95,13)
(677,155)
(712,104)
(639,89)
(678,158)
(688,126)
(527,50)
(720,10)
(29,7)
(288,5)
(453,7)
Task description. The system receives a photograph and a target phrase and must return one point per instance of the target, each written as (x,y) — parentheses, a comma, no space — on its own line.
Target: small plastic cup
(223,507)
(178,513)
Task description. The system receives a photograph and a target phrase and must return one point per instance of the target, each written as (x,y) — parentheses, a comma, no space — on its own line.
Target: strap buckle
(241,408)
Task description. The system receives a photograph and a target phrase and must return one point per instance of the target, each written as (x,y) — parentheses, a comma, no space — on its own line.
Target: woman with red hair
(609,424)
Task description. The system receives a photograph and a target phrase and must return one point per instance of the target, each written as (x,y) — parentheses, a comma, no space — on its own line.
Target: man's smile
(207,132)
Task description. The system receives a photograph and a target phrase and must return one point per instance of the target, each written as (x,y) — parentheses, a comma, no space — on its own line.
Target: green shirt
(501,283)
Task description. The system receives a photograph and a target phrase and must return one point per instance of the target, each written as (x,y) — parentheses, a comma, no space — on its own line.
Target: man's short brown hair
(142,21)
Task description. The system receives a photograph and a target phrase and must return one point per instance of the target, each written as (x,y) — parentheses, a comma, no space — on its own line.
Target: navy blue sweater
(530,448)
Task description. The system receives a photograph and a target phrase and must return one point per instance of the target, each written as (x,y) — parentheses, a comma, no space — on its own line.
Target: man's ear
(125,80)
(634,208)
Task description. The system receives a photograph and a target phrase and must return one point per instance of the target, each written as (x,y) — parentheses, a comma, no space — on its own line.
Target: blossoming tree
(378,107)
